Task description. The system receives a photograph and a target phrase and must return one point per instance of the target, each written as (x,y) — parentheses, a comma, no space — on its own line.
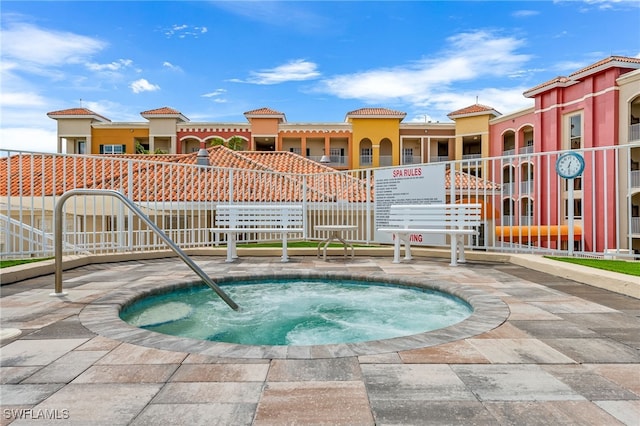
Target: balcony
(366,160)
(411,159)
(526,187)
(335,160)
(386,160)
(471,156)
(634,132)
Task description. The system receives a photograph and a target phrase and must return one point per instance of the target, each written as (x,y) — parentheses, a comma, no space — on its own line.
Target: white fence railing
(519,216)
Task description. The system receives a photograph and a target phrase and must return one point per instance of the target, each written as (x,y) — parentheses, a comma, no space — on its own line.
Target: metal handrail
(58,240)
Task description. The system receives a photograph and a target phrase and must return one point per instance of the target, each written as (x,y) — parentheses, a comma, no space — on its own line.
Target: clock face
(570,165)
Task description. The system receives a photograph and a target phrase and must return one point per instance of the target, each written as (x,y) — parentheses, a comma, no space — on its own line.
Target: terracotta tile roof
(553,82)
(164,112)
(263,111)
(76,113)
(467,182)
(271,176)
(257,176)
(614,61)
(476,109)
(161,111)
(376,112)
(611,61)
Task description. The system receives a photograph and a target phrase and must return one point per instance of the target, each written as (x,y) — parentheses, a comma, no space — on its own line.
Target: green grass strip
(619,266)
(14,262)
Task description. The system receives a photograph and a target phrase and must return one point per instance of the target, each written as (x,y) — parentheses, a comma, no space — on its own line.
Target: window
(407,156)
(575,131)
(443,149)
(366,156)
(337,155)
(82,147)
(577,208)
(298,151)
(112,149)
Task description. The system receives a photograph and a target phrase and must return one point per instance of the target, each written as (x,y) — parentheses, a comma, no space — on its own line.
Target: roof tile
(258,176)
(473,110)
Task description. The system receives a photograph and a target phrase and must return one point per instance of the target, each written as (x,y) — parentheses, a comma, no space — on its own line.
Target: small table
(335,233)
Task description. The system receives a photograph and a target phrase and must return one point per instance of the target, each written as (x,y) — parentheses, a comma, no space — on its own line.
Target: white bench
(455,220)
(234,219)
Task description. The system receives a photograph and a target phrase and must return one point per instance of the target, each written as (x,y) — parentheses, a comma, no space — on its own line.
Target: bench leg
(232,252)
(407,248)
(454,250)
(461,258)
(285,257)
(396,249)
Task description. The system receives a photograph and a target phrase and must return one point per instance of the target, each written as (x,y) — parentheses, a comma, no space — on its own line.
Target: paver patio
(567,353)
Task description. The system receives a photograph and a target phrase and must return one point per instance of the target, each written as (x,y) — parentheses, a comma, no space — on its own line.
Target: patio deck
(568,353)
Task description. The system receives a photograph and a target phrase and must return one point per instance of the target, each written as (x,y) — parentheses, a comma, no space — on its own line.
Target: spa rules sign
(408,185)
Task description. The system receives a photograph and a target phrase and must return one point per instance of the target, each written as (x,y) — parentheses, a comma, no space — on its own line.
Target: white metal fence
(525,202)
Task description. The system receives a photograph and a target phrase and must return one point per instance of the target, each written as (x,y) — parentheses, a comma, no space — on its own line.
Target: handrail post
(186,259)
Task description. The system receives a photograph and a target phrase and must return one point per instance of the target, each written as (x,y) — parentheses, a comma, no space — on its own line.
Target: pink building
(583,110)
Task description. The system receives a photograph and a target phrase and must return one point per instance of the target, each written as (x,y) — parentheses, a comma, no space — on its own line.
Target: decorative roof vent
(202,158)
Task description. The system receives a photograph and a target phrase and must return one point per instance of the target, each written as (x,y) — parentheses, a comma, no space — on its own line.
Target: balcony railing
(635,178)
(411,159)
(366,160)
(335,160)
(635,225)
(438,158)
(634,132)
(386,160)
(471,156)
(526,149)
(526,187)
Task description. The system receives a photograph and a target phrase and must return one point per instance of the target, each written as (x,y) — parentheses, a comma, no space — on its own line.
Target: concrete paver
(540,350)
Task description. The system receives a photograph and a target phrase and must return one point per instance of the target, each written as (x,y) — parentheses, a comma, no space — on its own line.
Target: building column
(375,152)
(174,146)
(303,146)
(327,146)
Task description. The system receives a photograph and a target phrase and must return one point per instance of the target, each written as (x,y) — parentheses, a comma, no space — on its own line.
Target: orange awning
(525,232)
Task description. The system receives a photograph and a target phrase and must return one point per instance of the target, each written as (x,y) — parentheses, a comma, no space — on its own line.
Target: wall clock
(570,165)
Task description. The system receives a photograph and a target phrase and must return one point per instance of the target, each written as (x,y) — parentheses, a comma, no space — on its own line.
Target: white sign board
(424,184)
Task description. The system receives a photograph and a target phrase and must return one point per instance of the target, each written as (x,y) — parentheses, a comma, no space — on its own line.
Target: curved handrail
(58,240)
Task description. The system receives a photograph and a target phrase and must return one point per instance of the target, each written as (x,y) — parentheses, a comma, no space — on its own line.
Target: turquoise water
(298,312)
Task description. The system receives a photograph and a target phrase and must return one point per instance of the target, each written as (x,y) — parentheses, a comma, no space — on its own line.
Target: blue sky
(313,61)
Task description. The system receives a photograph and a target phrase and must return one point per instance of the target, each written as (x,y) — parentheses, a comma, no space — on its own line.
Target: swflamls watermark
(35,414)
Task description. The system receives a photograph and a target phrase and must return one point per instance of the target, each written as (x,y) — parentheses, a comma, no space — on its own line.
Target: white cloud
(21,100)
(184,31)
(28,139)
(438,82)
(216,92)
(142,85)
(294,70)
(525,13)
(215,96)
(113,66)
(29,44)
(169,65)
